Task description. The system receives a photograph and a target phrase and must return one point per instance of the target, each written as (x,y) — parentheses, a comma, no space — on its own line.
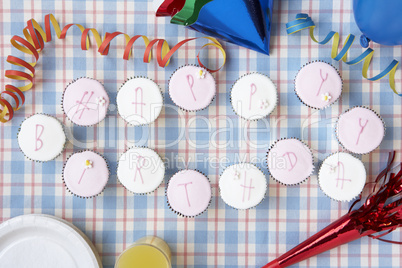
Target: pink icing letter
(139,167)
(185,187)
(361,129)
(37,137)
(85,104)
(82,175)
(141,102)
(340,166)
(322,81)
(247,187)
(292,164)
(190,81)
(253,90)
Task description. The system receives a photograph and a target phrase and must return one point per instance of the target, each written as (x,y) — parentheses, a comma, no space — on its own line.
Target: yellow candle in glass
(147,252)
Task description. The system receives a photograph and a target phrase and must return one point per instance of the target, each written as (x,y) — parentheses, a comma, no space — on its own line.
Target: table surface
(221,237)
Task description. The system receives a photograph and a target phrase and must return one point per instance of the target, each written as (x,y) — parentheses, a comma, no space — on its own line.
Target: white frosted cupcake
(254,96)
(41,137)
(192,88)
(318,85)
(242,186)
(290,161)
(342,176)
(140,170)
(189,193)
(360,130)
(139,101)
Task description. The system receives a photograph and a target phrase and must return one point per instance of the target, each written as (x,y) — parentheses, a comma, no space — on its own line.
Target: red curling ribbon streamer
(34,43)
(380,214)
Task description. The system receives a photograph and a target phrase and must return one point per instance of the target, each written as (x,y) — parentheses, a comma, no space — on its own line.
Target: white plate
(43,241)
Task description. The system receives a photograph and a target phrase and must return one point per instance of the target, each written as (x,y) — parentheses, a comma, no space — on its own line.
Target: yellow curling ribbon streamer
(303,21)
(34,43)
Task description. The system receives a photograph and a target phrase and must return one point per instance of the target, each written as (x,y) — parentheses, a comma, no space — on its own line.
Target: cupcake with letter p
(318,85)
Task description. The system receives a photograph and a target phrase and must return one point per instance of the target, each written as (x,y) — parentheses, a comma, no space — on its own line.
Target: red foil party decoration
(170,8)
(380,214)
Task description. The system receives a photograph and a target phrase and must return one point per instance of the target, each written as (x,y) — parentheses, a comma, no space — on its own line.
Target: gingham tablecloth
(216,137)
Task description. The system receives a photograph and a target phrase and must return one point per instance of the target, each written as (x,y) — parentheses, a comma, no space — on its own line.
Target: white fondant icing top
(242,186)
(41,137)
(140,170)
(342,176)
(254,96)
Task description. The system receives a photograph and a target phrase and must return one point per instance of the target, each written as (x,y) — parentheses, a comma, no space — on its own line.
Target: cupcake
(318,85)
(41,137)
(85,174)
(242,186)
(360,130)
(342,176)
(290,161)
(192,88)
(140,170)
(85,102)
(188,193)
(253,96)
(139,101)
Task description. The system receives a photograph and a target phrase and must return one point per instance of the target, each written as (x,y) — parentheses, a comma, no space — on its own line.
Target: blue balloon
(379,20)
